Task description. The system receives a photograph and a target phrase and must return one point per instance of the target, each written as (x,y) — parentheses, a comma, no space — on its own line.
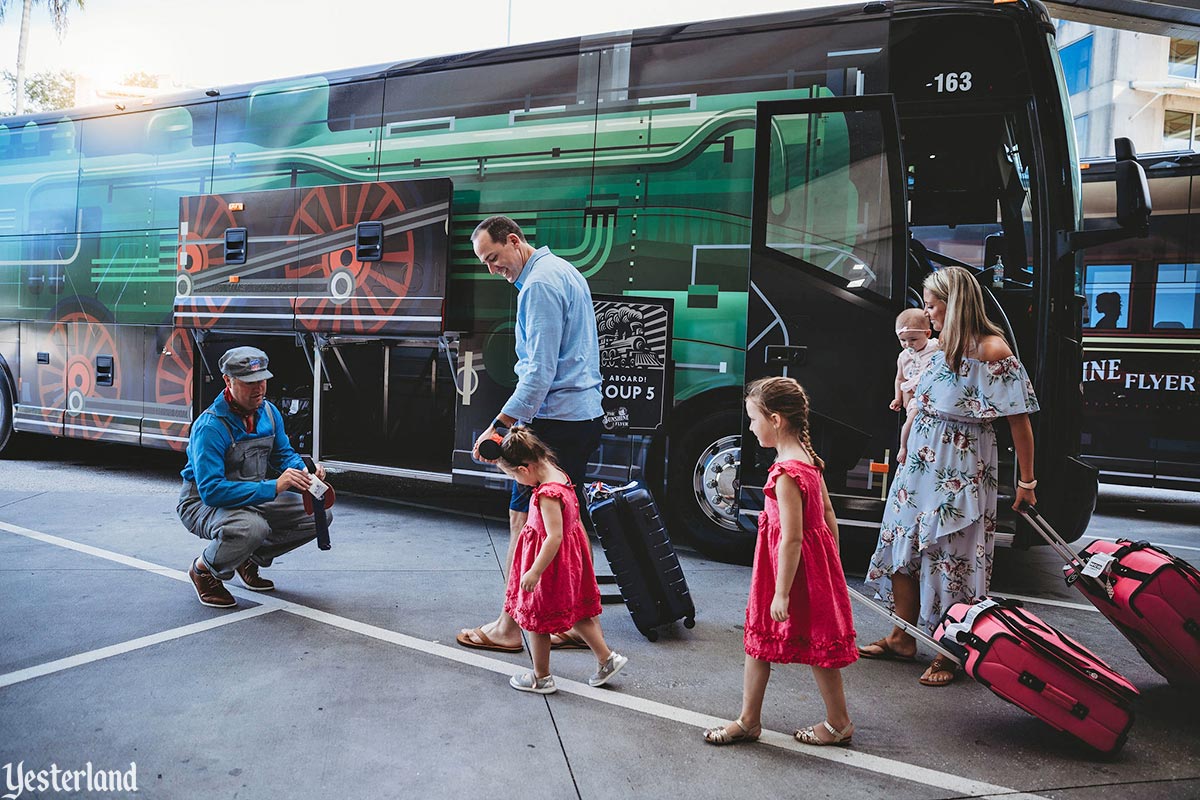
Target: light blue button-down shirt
(558,350)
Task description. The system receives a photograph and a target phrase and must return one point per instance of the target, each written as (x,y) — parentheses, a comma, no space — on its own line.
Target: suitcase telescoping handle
(904,625)
(1056,542)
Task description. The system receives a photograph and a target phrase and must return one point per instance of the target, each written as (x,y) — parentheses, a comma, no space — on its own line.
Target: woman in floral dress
(938,531)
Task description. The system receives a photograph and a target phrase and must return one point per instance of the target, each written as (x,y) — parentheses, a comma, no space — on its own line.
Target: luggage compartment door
(827,278)
(358,259)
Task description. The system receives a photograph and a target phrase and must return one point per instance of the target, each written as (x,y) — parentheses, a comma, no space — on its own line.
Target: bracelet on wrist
(498,423)
(1030,485)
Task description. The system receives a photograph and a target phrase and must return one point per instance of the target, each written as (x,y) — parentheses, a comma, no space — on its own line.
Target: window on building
(1176,295)
(1181,62)
(1181,130)
(1077,64)
(1106,287)
(1081,135)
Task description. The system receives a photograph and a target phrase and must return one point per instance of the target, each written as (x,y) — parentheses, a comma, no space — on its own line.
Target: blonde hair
(913,319)
(521,448)
(787,398)
(965,322)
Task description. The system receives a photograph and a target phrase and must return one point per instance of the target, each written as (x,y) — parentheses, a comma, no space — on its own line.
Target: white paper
(318,487)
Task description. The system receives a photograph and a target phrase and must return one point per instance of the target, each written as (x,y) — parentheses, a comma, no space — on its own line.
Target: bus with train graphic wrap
(745,197)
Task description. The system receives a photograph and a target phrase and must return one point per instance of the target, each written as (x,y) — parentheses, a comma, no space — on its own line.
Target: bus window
(1106,287)
(829,204)
(1176,296)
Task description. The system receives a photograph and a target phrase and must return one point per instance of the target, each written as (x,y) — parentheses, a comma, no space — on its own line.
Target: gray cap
(246,364)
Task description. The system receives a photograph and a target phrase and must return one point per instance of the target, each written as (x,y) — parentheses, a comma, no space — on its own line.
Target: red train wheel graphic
(49,384)
(87,338)
(206,218)
(351,287)
(173,382)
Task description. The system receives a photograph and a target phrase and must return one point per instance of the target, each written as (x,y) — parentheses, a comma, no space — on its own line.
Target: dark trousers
(573,443)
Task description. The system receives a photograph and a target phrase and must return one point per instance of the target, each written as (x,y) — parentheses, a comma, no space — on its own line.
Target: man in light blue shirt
(558,382)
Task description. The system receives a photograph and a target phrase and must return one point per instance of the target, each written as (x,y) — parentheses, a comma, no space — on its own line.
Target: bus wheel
(702,487)
(6,411)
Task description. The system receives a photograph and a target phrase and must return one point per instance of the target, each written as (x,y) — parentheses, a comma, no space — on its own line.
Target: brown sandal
(476,639)
(887,653)
(939,666)
(567,641)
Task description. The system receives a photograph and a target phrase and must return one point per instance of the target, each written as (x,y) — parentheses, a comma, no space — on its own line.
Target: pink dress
(820,628)
(567,591)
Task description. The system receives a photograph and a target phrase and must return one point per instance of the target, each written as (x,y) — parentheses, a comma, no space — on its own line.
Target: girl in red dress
(799,607)
(552,585)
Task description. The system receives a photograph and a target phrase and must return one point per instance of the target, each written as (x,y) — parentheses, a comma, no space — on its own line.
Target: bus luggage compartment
(349,259)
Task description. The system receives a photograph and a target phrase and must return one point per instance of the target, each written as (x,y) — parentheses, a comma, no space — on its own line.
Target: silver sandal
(721,736)
(840,738)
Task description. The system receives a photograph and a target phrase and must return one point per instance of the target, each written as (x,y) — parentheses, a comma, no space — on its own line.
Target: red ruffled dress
(567,591)
(820,628)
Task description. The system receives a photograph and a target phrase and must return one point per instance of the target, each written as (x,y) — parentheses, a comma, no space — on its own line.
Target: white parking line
(8,679)
(878,764)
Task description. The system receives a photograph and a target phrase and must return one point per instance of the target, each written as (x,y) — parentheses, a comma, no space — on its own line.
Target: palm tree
(58,12)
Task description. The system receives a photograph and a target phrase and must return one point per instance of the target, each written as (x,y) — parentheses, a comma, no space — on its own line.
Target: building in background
(1138,85)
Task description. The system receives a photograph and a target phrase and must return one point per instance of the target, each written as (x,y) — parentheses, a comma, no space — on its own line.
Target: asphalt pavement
(346,682)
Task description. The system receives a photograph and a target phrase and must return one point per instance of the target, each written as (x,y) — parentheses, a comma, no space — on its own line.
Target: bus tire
(7,399)
(708,450)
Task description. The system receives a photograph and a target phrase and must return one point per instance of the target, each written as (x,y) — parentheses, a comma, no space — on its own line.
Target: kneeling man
(228,498)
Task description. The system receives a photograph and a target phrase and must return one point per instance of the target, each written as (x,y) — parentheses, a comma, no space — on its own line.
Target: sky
(204,43)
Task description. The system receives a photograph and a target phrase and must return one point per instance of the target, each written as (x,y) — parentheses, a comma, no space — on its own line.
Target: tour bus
(1141,332)
(745,197)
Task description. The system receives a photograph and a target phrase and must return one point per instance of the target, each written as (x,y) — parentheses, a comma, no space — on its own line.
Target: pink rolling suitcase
(1030,664)
(1152,597)
(1034,666)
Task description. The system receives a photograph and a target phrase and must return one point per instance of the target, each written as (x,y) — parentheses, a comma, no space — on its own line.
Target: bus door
(827,280)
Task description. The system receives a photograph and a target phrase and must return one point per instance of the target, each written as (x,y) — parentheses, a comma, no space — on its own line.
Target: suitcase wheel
(689,623)
(651,634)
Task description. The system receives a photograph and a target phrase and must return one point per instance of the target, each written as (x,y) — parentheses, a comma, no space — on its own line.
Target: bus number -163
(952,82)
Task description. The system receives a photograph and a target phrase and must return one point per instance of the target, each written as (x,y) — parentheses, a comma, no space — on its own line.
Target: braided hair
(522,448)
(787,398)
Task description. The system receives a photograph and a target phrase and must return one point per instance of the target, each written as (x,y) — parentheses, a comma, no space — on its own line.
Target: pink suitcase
(1152,597)
(1041,670)
(1030,664)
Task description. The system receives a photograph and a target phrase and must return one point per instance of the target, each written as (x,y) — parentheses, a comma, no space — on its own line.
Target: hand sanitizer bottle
(998,274)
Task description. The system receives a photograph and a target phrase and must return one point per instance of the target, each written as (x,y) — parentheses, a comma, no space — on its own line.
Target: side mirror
(1133,194)
(1133,203)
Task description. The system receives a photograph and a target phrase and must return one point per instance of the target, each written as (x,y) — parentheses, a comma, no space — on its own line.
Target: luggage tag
(1098,564)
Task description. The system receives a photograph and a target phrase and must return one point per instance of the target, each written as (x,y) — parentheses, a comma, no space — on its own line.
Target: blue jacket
(209,441)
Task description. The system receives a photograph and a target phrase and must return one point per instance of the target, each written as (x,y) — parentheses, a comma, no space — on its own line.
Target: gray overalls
(258,533)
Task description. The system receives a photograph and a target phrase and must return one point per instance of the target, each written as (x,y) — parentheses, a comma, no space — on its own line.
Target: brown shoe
(209,588)
(248,574)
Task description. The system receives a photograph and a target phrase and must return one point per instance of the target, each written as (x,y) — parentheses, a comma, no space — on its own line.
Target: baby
(912,329)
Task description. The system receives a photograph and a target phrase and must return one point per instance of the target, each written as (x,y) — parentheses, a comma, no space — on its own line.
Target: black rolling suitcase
(635,541)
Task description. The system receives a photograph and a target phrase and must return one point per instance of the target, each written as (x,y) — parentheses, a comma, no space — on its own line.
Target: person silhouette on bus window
(1109,306)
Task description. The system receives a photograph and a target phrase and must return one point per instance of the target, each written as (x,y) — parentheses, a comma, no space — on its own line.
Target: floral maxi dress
(939,524)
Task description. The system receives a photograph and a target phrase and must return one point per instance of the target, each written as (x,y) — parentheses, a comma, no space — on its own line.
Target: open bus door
(827,279)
